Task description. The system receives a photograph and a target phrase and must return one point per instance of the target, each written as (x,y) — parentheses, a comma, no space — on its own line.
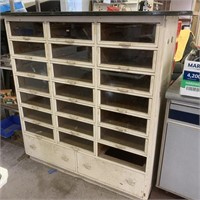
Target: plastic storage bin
(9,126)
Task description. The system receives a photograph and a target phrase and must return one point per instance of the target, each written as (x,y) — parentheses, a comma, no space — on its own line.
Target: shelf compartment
(133,58)
(39,130)
(76,92)
(77,126)
(126,140)
(128,32)
(124,101)
(72,52)
(126,121)
(128,81)
(29,29)
(76,141)
(33,84)
(73,73)
(34,100)
(33,67)
(122,157)
(75,109)
(37,115)
(29,48)
(68,30)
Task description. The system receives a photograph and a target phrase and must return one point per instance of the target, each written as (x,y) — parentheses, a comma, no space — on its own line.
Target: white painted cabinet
(89,90)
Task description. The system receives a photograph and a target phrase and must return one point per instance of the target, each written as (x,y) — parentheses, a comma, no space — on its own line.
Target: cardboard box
(4,93)
(190,83)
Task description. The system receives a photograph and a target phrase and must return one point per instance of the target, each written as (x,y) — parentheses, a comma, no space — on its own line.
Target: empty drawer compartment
(82,31)
(73,73)
(122,157)
(29,48)
(127,57)
(126,121)
(76,126)
(37,115)
(30,29)
(75,109)
(33,67)
(124,101)
(72,52)
(125,80)
(39,130)
(33,84)
(34,100)
(75,92)
(76,141)
(128,32)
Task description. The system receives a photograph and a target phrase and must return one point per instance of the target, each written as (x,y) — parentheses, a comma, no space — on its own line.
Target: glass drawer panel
(29,48)
(33,67)
(74,125)
(33,84)
(123,139)
(127,57)
(126,80)
(39,130)
(76,141)
(125,121)
(72,52)
(124,101)
(128,32)
(35,100)
(73,73)
(31,29)
(81,31)
(75,109)
(76,92)
(37,115)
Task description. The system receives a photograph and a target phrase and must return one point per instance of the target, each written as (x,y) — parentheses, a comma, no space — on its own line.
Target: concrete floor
(29,179)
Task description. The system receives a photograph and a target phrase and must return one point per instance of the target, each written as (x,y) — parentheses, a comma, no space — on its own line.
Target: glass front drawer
(39,130)
(69,30)
(37,115)
(127,57)
(73,73)
(123,139)
(76,126)
(33,84)
(76,141)
(138,82)
(75,92)
(126,121)
(30,29)
(34,100)
(72,52)
(124,101)
(75,109)
(29,48)
(32,67)
(128,32)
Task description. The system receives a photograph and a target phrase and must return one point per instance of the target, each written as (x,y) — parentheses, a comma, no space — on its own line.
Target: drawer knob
(130,182)
(87,166)
(32,146)
(65,158)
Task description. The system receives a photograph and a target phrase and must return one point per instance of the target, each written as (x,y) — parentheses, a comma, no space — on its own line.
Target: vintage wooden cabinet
(90,87)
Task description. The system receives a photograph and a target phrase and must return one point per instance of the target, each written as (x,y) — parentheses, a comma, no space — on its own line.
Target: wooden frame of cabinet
(89,133)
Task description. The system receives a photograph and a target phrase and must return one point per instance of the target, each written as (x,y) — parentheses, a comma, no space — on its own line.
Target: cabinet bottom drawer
(116,177)
(50,153)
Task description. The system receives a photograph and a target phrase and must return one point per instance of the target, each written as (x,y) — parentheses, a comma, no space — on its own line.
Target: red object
(179,27)
(112,8)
